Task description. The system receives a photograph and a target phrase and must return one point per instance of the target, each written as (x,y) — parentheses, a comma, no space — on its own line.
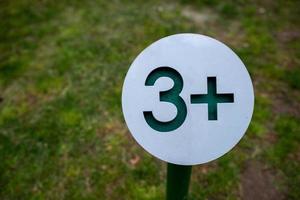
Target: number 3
(171,95)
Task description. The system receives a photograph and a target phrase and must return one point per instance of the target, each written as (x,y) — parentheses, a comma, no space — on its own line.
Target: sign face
(187,99)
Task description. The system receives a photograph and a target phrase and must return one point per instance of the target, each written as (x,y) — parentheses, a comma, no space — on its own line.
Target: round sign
(187,99)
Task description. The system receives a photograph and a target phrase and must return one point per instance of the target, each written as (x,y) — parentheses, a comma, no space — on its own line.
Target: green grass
(62,65)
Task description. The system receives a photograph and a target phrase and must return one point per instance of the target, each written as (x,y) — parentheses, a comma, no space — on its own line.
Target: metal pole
(178,179)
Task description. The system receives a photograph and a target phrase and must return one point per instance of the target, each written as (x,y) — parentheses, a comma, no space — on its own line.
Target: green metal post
(178,179)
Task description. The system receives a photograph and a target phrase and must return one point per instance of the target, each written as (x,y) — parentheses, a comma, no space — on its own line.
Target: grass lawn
(62,65)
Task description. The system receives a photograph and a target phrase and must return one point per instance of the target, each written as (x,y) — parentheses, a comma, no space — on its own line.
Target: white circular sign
(187,99)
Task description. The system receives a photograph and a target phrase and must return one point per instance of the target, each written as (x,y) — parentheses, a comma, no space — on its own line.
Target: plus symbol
(212,98)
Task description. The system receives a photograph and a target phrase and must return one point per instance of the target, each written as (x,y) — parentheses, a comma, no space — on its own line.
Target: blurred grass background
(62,65)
